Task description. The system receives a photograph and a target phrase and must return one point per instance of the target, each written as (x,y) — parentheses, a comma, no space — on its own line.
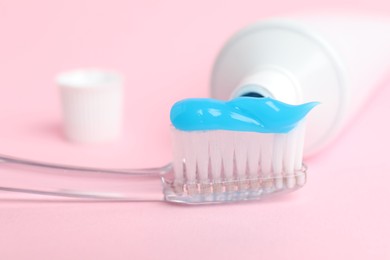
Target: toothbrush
(223,152)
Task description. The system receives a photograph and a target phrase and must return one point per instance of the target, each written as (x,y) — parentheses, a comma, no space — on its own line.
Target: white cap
(92,105)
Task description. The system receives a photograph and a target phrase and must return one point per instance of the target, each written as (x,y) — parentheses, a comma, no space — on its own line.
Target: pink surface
(166,50)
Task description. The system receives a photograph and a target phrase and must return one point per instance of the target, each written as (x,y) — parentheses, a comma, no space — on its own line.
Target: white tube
(333,59)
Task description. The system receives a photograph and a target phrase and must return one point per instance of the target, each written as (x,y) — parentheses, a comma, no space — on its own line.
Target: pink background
(166,50)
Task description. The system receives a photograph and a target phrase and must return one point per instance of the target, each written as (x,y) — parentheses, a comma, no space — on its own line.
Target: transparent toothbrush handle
(35,178)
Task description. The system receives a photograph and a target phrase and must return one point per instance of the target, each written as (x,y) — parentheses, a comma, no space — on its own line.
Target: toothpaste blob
(245,114)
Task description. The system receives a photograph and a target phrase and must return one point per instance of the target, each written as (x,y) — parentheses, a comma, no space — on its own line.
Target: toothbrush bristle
(227,165)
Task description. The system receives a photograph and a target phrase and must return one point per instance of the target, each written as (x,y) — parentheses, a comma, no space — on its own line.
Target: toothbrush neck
(52,180)
(271,82)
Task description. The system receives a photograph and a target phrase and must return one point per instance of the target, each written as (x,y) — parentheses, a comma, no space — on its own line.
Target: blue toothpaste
(246,114)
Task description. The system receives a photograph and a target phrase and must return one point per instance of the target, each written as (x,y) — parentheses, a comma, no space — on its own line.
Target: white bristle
(215,156)
(300,136)
(266,151)
(202,155)
(299,152)
(289,158)
(241,140)
(227,152)
(189,143)
(178,155)
(277,159)
(205,160)
(254,146)
(289,152)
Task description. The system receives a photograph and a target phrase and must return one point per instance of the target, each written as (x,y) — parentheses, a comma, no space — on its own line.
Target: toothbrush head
(236,150)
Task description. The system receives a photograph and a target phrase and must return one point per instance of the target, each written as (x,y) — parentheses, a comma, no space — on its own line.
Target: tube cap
(92,105)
